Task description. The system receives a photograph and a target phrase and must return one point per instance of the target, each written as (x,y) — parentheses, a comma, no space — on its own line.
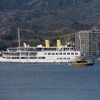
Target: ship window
(15,57)
(56,53)
(68,53)
(24,57)
(64,58)
(28,49)
(41,57)
(76,53)
(24,53)
(49,53)
(60,53)
(64,53)
(59,58)
(45,53)
(72,53)
(49,49)
(39,49)
(68,58)
(53,53)
(8,57)
(33,53)
(5,53)
(33,57)
(66,49)
(71,48)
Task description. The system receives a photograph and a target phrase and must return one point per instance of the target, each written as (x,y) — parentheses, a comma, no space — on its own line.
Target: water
(49,82)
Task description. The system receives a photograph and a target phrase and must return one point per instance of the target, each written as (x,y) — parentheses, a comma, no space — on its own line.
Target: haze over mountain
(47,16)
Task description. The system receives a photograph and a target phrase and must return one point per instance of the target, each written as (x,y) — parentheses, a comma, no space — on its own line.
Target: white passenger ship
(40,54)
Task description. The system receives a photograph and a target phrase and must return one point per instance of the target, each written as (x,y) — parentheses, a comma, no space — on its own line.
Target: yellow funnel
(58,43)
(47,43)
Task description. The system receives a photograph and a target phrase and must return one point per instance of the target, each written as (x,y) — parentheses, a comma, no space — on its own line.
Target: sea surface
(49,82)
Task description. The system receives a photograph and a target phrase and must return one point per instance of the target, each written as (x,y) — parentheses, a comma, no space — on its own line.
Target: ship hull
(35,61)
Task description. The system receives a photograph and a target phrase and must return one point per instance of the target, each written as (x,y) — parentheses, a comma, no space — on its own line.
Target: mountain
(45,18)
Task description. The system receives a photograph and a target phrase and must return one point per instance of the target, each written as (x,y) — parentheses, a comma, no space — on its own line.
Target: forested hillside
(40,19)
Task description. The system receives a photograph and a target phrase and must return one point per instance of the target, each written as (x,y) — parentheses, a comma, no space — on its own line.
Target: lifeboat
(80,63)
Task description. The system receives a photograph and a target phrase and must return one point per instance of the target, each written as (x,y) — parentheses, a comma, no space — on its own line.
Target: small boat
(80,63)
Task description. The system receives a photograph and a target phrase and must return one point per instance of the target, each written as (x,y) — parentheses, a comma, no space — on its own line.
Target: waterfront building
(88,41)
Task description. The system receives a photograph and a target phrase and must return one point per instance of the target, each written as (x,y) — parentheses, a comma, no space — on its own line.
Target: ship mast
(19,44)
(18,38)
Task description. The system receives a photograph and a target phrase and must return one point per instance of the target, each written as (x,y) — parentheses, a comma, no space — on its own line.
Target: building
(88,41)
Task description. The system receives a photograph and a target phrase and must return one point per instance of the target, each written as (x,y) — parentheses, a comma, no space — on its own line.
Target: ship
(81,63)
(40,54)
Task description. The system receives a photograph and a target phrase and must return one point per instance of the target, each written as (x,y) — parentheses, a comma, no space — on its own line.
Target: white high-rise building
(88,41)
